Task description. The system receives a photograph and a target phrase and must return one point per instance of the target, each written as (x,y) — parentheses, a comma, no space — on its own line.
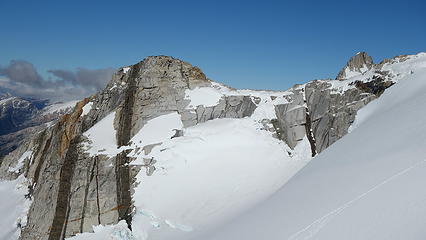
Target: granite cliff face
(74,185)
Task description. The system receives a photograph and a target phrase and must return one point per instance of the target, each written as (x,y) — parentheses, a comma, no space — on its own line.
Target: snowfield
(211,174)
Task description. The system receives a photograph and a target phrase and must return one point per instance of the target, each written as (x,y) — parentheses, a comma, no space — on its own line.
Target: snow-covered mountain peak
(169,153)
(21,117)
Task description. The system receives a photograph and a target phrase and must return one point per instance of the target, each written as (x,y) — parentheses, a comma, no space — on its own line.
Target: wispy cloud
(21,78)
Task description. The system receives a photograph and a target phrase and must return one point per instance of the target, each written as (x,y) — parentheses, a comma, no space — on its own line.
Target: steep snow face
(102,137)
(368,185)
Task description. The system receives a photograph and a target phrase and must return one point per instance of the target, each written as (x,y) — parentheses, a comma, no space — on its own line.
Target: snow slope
(368,185)
(13,207)
(211,174)
(231,156)
(101,137)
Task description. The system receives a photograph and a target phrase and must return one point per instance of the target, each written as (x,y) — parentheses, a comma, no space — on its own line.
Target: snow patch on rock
(102,137)
(20,163)
(87,108)
(205,96)
(126,69)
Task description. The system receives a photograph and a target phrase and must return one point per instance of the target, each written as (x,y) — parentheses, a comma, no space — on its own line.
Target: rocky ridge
(71,188)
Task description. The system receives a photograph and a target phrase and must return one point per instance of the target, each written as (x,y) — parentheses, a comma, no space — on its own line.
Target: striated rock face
(358,64)
(319,114)
(229,107)
(331,114)
(291,118)
(74,186)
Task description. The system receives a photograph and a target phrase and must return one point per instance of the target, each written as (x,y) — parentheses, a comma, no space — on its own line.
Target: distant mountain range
(21,117)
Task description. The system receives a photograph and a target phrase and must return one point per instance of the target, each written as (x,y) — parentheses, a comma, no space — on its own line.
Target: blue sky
(246,44)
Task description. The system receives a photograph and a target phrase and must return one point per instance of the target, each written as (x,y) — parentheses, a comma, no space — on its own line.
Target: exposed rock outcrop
(331,114)
(229,107)
(358,64)
(291,118)
(318,113)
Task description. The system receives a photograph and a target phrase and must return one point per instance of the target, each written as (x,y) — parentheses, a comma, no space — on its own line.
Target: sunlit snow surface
(87,108)
(112,232)
(101,137)
(215,171)
(205,96)
(13,208)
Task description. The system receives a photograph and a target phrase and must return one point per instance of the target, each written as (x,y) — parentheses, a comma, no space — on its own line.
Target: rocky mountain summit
(105,162)
(358,64)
